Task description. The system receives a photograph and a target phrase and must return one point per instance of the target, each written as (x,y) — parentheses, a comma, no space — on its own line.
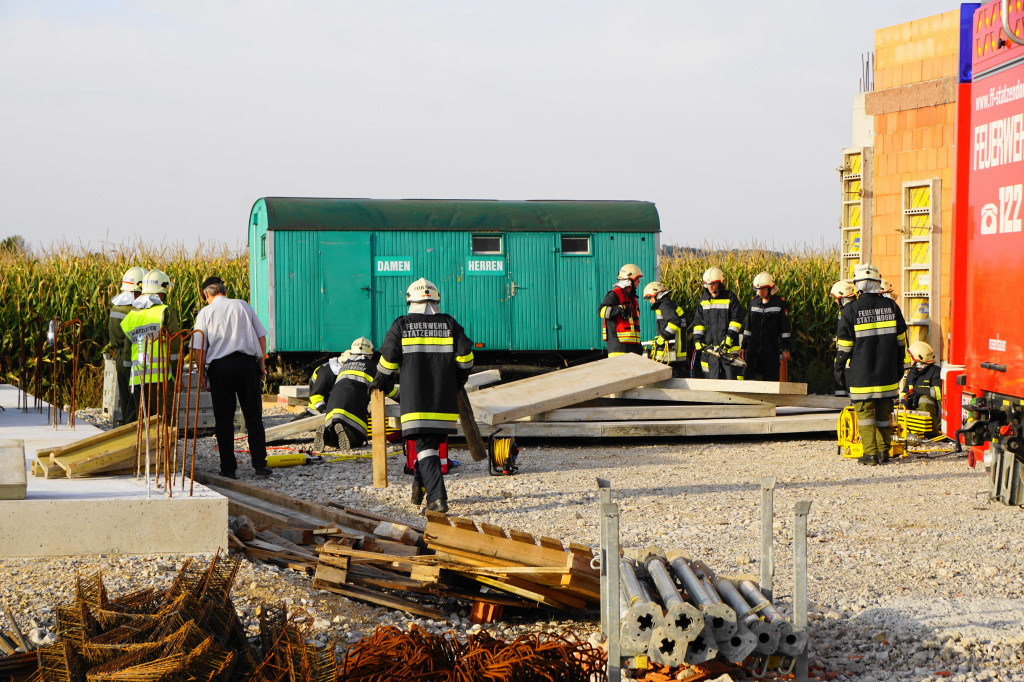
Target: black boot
(868,460)
(438,505)
(417,491)
(318,440)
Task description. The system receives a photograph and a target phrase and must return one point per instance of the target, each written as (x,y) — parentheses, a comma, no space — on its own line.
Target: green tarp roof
(285,213)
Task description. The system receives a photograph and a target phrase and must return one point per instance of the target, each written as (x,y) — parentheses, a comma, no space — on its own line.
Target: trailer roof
(290,213)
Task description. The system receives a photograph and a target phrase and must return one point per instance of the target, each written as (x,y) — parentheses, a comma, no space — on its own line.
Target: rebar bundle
(416,655)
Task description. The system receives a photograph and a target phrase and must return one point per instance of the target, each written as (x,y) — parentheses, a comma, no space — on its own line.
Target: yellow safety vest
(149,361)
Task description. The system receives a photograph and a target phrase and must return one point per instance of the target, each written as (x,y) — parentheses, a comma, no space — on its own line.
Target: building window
(263,247)
(575,245)
(486,243)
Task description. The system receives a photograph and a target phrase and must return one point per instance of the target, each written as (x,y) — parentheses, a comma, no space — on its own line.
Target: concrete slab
(99,515)
(13,477)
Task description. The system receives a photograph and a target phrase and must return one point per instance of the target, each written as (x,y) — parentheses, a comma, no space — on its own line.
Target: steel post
(679,613)
(720,618)
(639,615)
(801,511)
(609,555)
(767,532)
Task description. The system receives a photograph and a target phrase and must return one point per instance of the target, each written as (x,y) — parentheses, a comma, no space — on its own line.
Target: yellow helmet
(922,352)
(132,278)
(630,271)
(842,289)
(653,289)
(156,282)
(764,279)
(361,346)
(422,290)
(712,275)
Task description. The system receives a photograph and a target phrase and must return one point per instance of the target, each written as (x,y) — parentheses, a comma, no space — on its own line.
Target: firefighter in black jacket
(344,425)
(766,336)
(872,339)
(717,323)
(669,346)
(435,357)
(843,292)
(322,381)
(620,314)
(922,387)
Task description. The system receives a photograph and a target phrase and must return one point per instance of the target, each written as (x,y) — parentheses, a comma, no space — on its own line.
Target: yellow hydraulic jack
(907,426)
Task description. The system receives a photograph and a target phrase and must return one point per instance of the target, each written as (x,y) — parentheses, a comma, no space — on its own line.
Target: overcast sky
(169,118)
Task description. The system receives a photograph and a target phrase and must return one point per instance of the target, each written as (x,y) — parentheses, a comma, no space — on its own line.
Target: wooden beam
(564,387)
(680,395)
(815,422)
(470,429)
(758,387)
(478,380)
(652,412)
(378,439)
(282,431)
(827,402)
(363,594)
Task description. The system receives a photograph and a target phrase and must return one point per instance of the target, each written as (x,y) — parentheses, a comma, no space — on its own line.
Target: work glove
(322,408)
(625,311)
(840,377)
(698,345)
(383,383)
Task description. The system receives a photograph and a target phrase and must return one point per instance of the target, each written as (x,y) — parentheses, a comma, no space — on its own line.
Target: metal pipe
(640,617)
(737,646)
(717,615)
(668,646)
(679,613)
(791,641)
(767,636)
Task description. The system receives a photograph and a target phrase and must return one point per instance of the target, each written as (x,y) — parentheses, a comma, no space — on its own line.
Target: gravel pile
(914,575)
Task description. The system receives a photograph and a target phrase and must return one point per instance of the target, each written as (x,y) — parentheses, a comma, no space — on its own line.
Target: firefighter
(620,313)
(767,334)
(842,292)
(434,357)
(869,360)
(717,323)
(151,362)
(922,387)
(669,346)
(322,381)
(345,425)
(886,287)
(120,306)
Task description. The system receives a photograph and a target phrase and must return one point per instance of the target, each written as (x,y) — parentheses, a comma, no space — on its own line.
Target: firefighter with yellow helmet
(121,348)
(152,362)
(922,387)
(717,324)
(620,313)
(842,292)
(869,361)
(347,406)
(768,332)
(434,356)
(669,346)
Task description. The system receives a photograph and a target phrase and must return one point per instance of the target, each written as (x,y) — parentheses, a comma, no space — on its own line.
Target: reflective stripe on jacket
(871,344)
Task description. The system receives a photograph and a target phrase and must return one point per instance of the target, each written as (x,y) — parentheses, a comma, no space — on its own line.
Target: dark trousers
(231,377)
(714,368)
(428,469)
(125,395)
(763,363)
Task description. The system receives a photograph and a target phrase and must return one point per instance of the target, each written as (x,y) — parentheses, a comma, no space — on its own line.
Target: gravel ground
(914,575)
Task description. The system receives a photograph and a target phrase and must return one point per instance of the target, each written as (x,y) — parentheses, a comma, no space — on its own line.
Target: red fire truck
(984,403)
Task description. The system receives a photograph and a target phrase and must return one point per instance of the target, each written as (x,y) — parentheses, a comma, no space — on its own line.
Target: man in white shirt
(232,365)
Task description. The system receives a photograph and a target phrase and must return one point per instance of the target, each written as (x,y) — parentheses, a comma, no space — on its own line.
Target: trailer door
(344,290)
(532,291)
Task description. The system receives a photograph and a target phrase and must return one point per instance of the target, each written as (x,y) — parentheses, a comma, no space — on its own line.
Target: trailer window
(575,246)
(486,243)
(263,247)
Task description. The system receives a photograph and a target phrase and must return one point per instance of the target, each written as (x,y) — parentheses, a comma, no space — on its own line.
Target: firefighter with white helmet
(620,313)
(434,356)
(669,345)
(767,333)
(869,360)
(322,381)
(842,292)
(121,348)
(347,407)
(717,324)
(886,288)
(922,387)
(151,361)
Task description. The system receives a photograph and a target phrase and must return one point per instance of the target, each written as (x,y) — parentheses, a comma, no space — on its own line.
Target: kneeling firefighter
(922,387)
(347,407)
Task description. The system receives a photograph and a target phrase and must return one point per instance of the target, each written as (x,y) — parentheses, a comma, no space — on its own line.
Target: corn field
(803,278)
(71,283)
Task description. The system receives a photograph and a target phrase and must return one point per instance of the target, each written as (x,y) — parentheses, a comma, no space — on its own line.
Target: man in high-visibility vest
(151,361)
(620,313)
(121,347)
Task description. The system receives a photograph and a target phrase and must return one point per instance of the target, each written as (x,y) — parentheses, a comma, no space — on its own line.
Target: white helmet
(866,271)
(422,290)
(922,352)
(132,279)
(763,279)
(842,290)
(712,275)
(653,289)
(886,287)
(361,346)
(630,271)
(156,282)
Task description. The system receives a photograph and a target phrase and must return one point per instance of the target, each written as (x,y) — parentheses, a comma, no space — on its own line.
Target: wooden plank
(533,592)
(816,422)
(94,460)
(686,396)
(460,522)
(827,402)
(581,550)
(390,601)
(282,431)
(378,439)
(478,380)
(330,574)
(263,513)
(651,412)
(352,511)
(294,391)
(729,385)
(521,536)
(470,429)
(520,553)
(564,387)
(551,543)
(491,529)
(270,536)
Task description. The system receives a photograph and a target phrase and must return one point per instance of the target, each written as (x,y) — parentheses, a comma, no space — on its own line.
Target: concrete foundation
(98,515)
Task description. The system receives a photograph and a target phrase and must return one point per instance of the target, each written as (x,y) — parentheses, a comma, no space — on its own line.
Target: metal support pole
(678,612)
(639,615)
(609,558)
(801,510)
(767,636)
(791,641)
(767,531)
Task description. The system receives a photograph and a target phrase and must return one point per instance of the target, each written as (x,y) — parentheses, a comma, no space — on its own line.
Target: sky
(168,119)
